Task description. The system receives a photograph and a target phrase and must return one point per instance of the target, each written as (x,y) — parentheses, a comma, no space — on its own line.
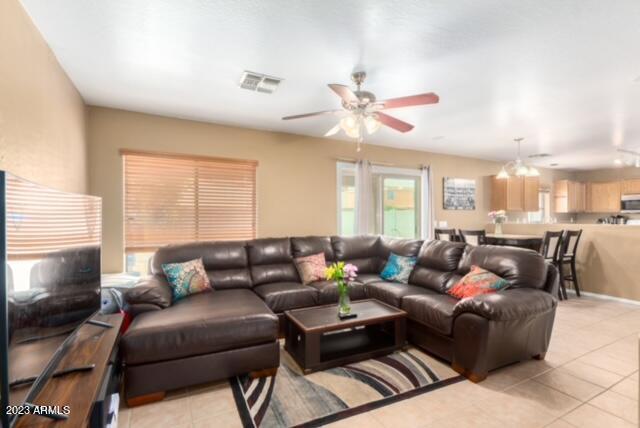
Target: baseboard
(604,297)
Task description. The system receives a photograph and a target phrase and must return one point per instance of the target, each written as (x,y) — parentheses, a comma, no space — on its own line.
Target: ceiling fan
(362,112)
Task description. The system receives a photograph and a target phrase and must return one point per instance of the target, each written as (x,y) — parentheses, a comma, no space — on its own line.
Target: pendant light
(517,167)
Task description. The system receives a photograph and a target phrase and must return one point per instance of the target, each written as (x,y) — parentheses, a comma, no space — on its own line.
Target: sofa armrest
(153,290)
(507,305)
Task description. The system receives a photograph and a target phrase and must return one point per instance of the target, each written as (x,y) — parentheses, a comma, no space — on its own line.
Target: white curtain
(364,198)
(427,203)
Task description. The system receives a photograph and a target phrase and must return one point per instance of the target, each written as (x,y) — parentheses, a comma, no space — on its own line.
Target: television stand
(99,323)
(28,380)
(45,413)
(82,390)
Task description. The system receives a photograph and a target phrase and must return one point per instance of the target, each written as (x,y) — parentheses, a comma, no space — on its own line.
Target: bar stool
(445,234)
(551,243)
(473,237)
(567,256)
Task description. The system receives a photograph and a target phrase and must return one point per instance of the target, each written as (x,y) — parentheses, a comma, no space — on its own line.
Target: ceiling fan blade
(394,123)
(333,131)
(344,92)
(317,113)
(411,100)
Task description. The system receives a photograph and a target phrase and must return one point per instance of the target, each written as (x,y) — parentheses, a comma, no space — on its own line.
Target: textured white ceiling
(559,73)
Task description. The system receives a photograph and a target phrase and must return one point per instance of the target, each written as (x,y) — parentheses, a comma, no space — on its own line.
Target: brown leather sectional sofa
(235,329)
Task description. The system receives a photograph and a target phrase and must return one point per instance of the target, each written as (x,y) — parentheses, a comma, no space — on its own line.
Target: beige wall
(42,116)
(296,176)
(605,259)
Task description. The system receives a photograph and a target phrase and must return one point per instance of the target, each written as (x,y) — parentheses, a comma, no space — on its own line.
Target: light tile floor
(588,379)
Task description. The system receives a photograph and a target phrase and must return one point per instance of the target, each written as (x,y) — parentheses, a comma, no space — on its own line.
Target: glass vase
(498,229)
(344,302)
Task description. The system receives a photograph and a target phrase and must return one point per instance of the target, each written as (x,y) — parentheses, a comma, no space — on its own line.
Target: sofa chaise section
(201,338)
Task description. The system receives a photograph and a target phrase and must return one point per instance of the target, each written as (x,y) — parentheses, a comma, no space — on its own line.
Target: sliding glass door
(398,205)
(396,201)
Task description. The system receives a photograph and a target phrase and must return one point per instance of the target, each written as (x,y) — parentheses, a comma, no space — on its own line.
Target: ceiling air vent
(259,82)
(539,155)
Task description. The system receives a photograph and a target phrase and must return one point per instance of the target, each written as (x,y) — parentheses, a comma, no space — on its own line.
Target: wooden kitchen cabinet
(605,197)
(631,187)
(569,196)
(531,196)
(515,193)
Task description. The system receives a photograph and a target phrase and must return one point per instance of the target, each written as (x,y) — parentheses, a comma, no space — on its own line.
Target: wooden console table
(79,391)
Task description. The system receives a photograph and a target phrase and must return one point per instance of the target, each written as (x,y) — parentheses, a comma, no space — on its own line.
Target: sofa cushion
(367,278)
(226,263)
(432,309)
(391,292)
(271,261)
(400,246)
(520,267)
(361,251)
(282,296)
(436,264)
(199,324)
(308,245)
(328,291)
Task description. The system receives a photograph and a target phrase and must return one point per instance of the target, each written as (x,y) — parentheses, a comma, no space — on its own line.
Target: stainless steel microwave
(630,203)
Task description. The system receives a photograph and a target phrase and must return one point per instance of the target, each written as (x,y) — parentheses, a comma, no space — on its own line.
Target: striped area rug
(291,399)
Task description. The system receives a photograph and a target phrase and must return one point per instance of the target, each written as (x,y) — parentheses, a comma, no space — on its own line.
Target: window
(397,196)
(543,215)
(179,199)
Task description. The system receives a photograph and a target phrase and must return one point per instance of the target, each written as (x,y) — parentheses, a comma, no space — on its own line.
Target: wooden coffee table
(317,339)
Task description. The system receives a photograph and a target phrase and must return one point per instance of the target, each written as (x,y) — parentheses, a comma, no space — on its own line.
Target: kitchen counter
(513,236)
(607,258)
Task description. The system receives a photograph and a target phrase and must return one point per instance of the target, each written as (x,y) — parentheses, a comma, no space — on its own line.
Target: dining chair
(550,250)
(445,234)
(473,237)
(567,257)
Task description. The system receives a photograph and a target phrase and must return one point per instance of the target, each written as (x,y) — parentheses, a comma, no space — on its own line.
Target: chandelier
(517,167)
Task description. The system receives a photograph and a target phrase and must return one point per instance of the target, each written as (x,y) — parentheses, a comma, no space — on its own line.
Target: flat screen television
(49,283)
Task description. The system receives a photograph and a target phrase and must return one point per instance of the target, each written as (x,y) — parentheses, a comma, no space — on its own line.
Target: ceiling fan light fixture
(348,123)
(353,133)
(372,124)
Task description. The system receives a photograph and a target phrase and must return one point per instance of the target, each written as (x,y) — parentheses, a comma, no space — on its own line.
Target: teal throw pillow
(398,268)
(186,278)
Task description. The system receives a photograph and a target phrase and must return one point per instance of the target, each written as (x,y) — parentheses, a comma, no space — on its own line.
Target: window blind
(40,220)
(177,199)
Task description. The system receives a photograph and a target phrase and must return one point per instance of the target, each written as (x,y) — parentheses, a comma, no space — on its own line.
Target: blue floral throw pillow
(186,278)
(398,268)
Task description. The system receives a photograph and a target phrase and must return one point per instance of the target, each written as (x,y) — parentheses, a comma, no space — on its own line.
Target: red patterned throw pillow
(478,281)
(311,268)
